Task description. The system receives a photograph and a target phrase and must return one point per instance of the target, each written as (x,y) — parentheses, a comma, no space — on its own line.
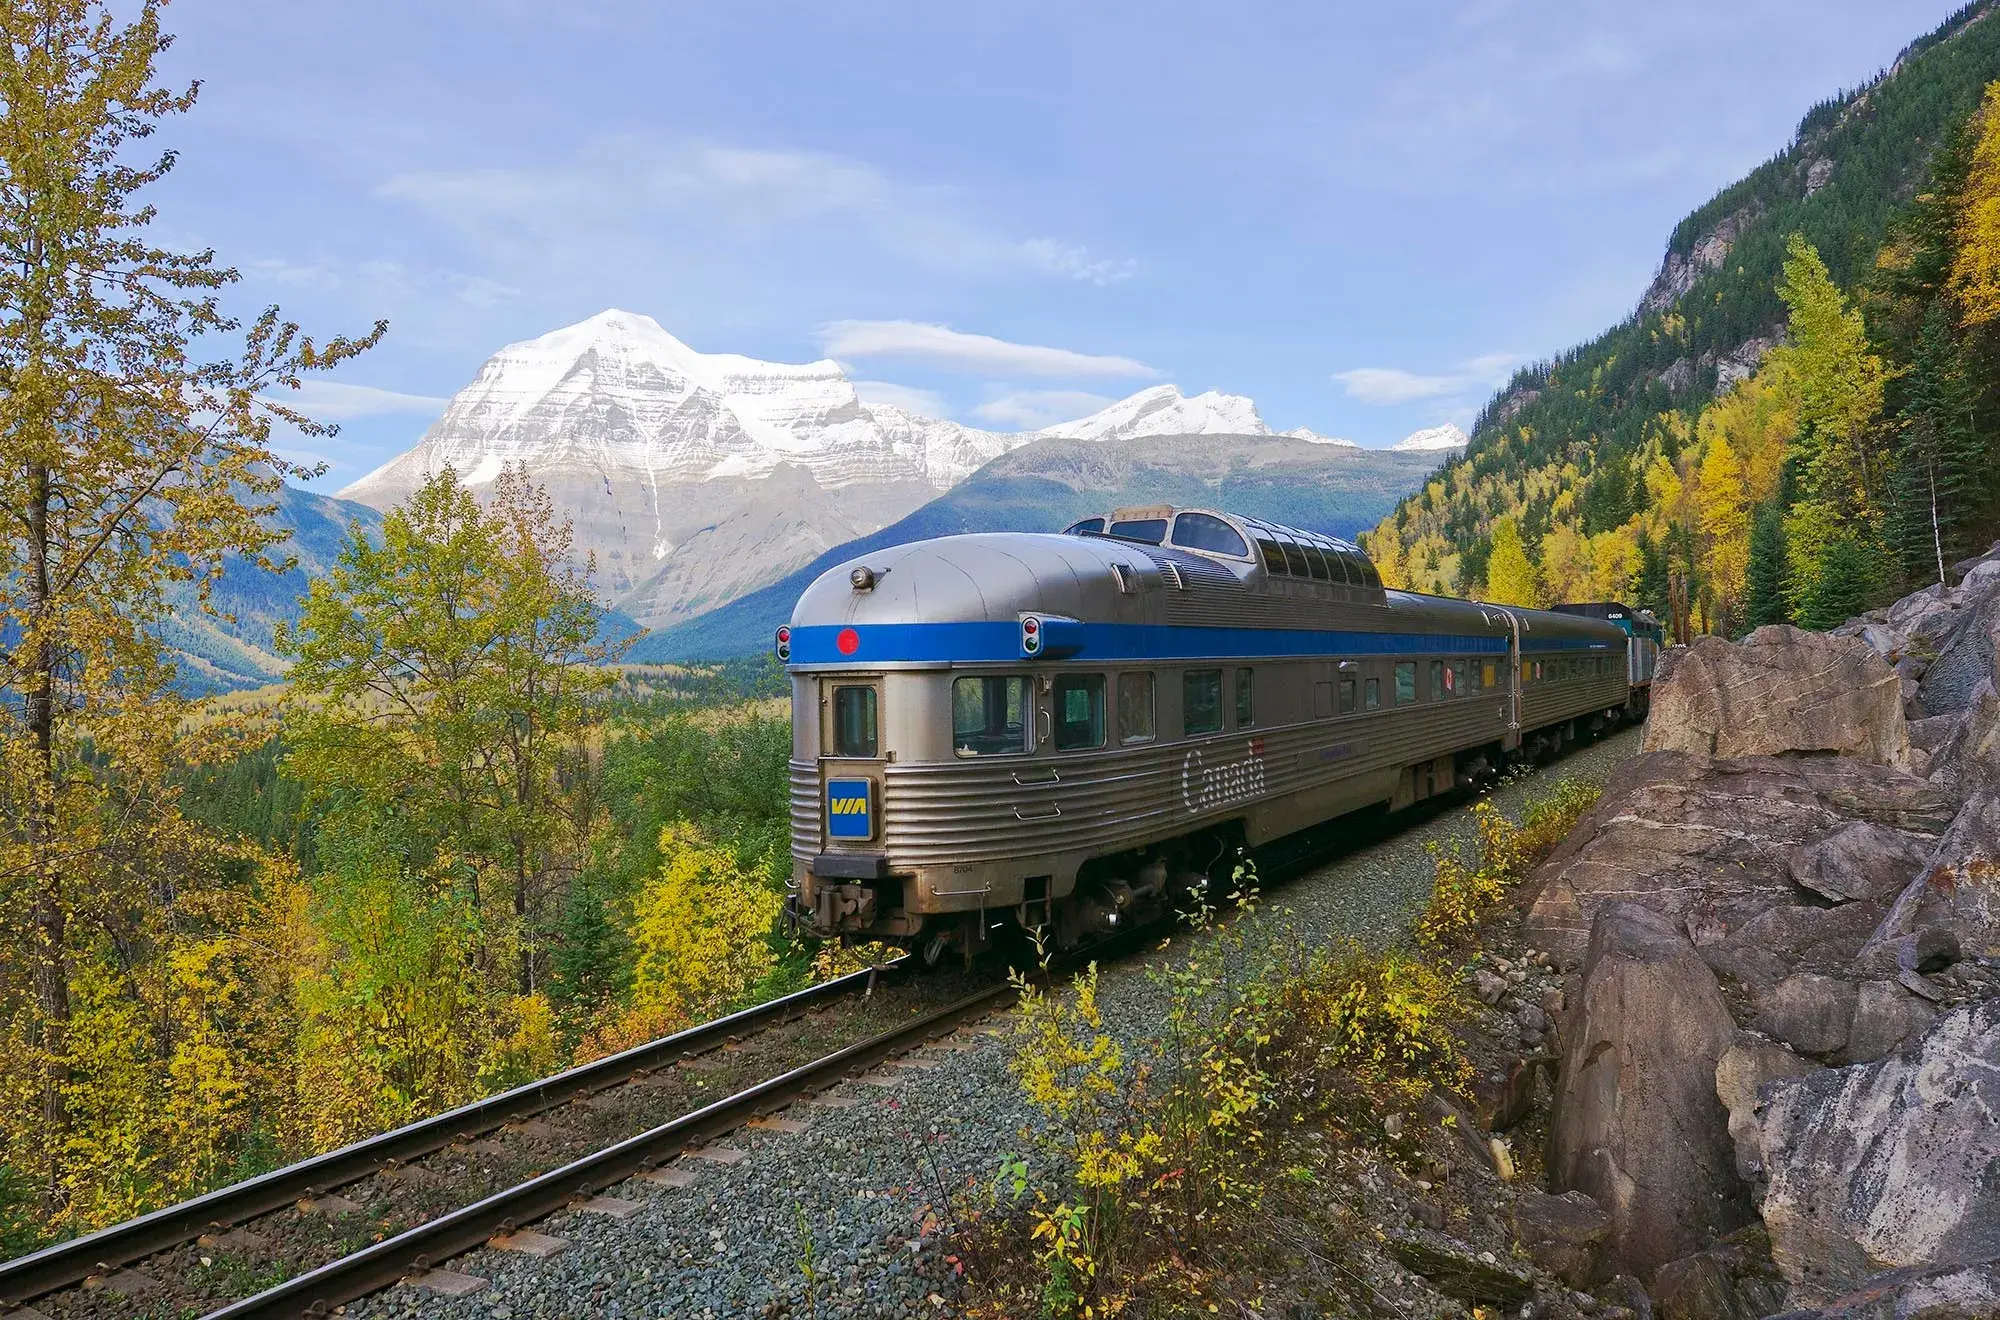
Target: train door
(1514,625)
(851,760)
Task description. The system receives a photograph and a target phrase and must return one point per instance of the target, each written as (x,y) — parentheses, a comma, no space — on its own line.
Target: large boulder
(1966,756)
(1890,1164)
(1712,843)
(1562,1234)
(1637,1124)
(1779,690)
(1861,860)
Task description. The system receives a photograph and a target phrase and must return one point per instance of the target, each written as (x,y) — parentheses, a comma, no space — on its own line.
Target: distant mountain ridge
(1047,484)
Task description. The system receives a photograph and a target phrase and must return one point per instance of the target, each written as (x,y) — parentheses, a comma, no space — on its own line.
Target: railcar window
(1205,531)
(1489,675)
(1372,699)
(1088,527)
(1347,696)
(1246,698)
(1273,555)
(1079,721)
(1406,681)
(1295,559)
(1341,565)
(1374,578)
(1135,708)
(854,721)
(1322,701)
(1454,679)
(1316,562)
(1150,530)
(1437,680)
(1201,700)
(989,716)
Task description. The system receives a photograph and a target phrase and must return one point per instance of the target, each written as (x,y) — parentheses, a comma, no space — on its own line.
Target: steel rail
(69,1263)
(429,1244)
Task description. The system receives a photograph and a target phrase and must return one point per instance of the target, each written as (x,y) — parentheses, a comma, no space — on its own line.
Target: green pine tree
(1942,500)
(1764,590)
(1848,581)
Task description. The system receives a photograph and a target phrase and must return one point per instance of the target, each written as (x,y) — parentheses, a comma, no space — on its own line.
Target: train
(1073,733)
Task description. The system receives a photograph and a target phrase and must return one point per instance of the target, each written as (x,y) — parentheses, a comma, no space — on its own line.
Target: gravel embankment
(859,1195)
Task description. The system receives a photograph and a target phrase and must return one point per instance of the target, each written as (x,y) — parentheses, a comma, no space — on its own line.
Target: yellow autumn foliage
(700,930)
(1975,271)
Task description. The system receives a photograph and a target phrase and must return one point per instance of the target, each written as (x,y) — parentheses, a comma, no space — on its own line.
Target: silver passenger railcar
(1070,731)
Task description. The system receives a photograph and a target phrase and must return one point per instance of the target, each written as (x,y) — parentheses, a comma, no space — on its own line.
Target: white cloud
(924,403)
(1031,410)
(339,401)
(1389,386)
(976,354)
(641,193)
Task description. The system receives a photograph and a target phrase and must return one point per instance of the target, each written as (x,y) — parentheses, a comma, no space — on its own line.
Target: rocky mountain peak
(1440,438)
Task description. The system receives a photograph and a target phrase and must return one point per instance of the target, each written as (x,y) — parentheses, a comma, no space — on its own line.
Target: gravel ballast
(857,1198)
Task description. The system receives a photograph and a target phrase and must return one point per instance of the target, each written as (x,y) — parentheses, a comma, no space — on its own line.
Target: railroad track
(104,1259)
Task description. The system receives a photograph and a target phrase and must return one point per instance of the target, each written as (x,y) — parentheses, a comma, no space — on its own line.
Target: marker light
(1031,636)
(784,643)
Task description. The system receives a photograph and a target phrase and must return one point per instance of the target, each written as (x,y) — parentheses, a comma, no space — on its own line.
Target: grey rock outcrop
(1889,1164)
(1951,910)
(1712,843)
(1951,1292)
(1965,657)
(1637,1124)
(1780,690)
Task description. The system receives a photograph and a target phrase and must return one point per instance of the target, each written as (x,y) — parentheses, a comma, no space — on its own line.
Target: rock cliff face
(1782,926)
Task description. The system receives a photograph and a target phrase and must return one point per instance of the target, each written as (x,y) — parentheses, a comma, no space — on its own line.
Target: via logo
(850,808)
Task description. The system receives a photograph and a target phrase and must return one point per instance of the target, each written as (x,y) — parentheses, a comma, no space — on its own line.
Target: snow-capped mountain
(1312,437)
(1443,437)
(690,476)
(694,477)
(1164,410)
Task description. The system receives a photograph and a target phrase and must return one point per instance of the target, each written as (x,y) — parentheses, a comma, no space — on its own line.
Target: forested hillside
(1764,438)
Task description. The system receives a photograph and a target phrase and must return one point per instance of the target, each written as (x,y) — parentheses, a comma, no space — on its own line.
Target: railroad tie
(125,1283)
(777,1123)
(528,1242)
(612,1206)
(718,1154)
(238,1238)
(331,1204)
(669,1175)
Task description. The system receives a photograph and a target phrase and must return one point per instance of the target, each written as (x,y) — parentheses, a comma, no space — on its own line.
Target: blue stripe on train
(989,643)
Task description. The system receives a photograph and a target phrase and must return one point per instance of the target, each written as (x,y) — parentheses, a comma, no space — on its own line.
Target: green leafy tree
(449,677)
(135,459)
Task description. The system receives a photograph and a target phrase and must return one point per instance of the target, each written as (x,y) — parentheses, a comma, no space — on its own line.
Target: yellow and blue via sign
(850,808)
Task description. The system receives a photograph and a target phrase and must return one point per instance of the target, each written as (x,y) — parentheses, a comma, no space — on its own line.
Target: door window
(1347,696)
(854,722)
(1373,698)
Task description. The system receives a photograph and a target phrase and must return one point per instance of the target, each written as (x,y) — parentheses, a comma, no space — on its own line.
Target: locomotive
(1072,732)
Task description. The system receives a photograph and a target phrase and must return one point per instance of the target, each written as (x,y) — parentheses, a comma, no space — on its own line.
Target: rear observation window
(1273,555)
(1088,527)
(854,722)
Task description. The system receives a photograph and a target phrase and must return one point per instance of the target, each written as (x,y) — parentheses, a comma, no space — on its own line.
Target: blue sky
(1361,215)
